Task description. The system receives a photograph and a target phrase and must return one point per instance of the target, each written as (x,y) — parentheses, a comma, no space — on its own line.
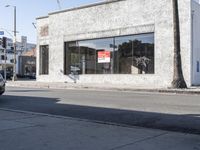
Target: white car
(2,85)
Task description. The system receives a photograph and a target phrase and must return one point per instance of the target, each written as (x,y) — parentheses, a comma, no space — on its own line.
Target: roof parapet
(81,7)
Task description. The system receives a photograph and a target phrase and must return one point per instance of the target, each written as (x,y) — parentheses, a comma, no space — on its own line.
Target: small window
(3,57)
(44,59)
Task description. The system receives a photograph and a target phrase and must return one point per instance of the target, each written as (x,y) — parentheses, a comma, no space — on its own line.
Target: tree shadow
(188,123)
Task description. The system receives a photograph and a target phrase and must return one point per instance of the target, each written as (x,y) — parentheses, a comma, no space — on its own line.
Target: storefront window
(123,54)
(104,53)
(87,57)
(120,55)
(135,54)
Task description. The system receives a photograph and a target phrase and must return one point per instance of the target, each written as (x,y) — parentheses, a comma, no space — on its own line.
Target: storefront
(116,42)
(132,54)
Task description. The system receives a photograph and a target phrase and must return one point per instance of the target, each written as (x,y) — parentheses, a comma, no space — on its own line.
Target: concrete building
(118,42)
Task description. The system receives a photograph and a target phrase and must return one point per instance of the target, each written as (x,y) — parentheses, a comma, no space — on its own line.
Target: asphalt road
(152,110)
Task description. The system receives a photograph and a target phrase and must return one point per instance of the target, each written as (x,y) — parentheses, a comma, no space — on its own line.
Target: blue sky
(27,11)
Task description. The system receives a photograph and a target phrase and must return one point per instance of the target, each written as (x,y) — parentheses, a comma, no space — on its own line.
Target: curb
(85,87)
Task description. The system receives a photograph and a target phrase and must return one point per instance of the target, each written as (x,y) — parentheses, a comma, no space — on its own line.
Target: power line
(8,32)
(59,6)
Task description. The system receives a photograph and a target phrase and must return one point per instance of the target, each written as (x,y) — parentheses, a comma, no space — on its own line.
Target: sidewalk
(62,85)
(33,131)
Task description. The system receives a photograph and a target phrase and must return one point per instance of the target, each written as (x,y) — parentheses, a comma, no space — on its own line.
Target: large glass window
(135,54)
(87,56)
(44,59)
(121,55)
(96,56)
(143,56)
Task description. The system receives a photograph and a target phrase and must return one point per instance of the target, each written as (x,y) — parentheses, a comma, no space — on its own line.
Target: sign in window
(104,57)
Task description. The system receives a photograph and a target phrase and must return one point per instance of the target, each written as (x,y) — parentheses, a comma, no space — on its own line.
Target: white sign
(104,57)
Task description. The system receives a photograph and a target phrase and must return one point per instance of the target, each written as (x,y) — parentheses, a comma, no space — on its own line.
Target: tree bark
(178,79)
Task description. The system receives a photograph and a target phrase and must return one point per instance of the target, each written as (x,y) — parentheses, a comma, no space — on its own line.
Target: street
(170,112)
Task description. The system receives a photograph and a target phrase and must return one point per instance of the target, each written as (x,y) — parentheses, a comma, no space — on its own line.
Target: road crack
(138,141)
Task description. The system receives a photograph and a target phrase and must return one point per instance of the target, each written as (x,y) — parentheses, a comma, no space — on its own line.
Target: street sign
(1,32)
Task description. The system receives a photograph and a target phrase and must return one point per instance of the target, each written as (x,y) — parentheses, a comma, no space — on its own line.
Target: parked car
(2,85)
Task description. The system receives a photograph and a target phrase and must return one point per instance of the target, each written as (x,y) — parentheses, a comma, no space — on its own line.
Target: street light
(14,43)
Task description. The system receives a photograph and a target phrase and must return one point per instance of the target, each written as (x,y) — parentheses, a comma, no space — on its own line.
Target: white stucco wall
(122,17)
(41,40)
(196,43)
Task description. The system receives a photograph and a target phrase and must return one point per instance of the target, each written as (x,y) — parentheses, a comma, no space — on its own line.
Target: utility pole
(14,68)
(59,6)
(14,44)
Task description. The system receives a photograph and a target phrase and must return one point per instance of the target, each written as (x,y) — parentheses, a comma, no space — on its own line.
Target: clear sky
(27,11)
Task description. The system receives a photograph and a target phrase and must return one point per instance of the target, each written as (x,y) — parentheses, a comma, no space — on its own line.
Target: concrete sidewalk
(33,131)
(62,85)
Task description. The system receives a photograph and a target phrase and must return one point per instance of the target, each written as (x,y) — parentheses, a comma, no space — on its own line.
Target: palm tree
(178,79)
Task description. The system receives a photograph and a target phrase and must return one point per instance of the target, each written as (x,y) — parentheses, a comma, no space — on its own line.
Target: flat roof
(42,17)
(81,7)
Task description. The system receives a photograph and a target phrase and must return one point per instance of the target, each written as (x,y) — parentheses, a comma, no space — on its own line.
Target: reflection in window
(121,55)
(135,54)
(87,57)
(104,52)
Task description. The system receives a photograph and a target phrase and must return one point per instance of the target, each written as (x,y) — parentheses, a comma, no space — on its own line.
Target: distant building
(27,64)
(21,47)
(119,42)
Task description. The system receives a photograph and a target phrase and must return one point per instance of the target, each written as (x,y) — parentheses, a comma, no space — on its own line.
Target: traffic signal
(4,42)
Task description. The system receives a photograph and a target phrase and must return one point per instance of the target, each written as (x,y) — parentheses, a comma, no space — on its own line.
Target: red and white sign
(104,57)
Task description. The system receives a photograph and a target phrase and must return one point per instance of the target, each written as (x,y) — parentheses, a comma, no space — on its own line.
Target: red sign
(104,57)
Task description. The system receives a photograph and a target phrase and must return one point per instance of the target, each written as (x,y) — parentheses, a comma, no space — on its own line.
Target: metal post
(14,45)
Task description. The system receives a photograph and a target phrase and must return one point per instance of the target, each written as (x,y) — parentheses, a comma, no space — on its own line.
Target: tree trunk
(178,79)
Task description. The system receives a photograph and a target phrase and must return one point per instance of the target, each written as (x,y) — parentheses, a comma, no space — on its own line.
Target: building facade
(118,42)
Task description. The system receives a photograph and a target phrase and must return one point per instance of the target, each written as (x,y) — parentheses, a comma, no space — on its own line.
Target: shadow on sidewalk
(188,123)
